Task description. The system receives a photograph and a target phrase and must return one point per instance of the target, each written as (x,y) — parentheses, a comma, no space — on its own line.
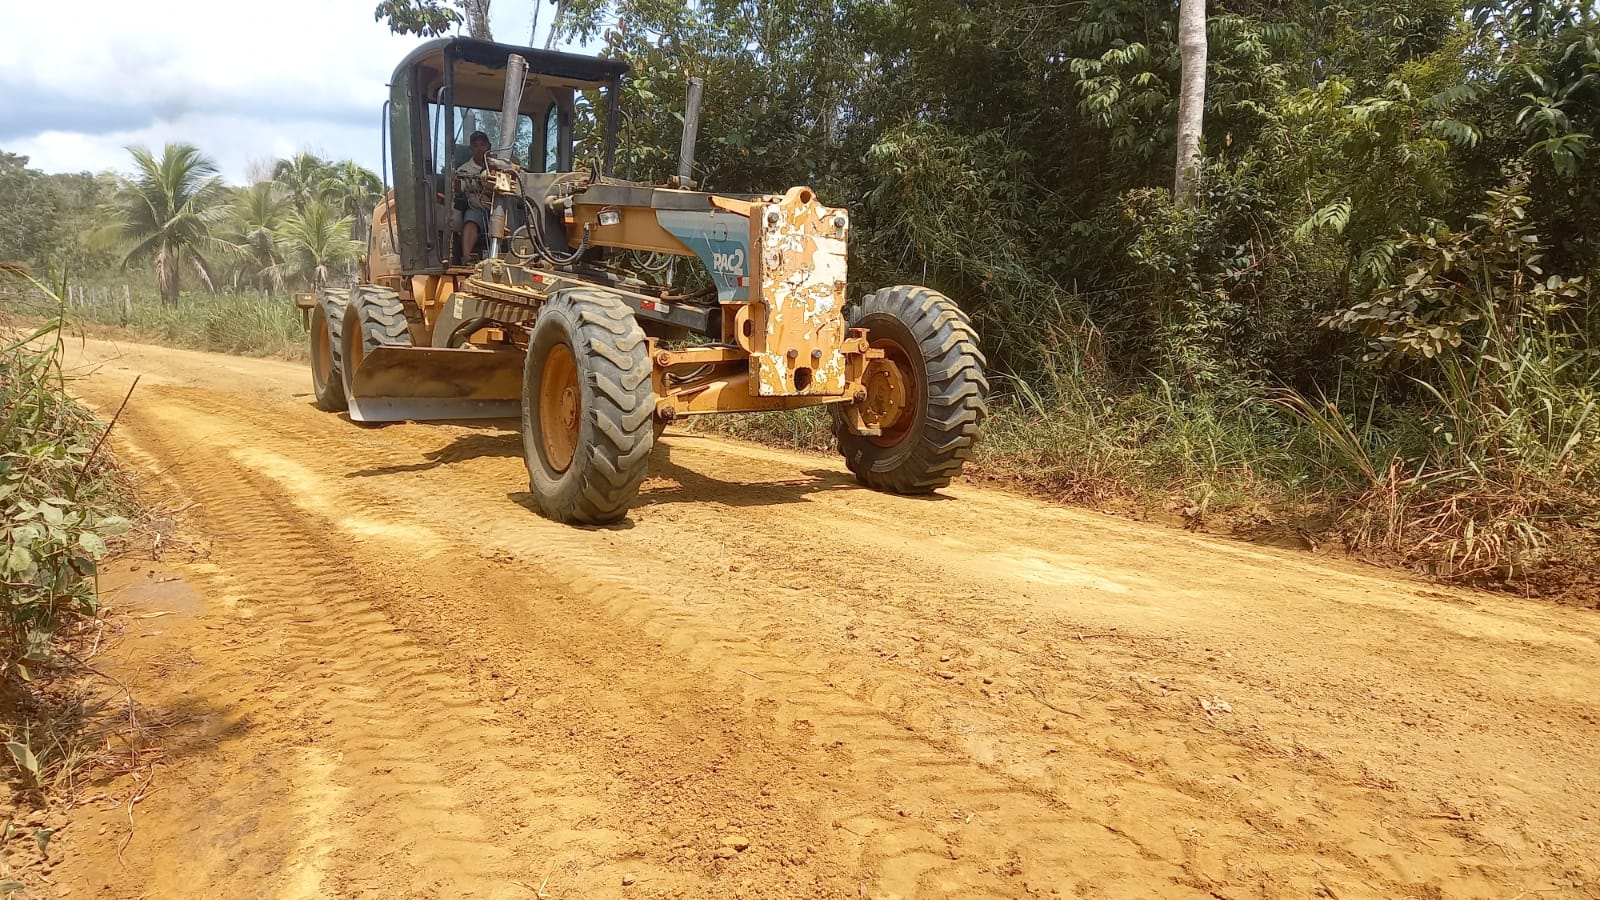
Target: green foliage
(55,503)
(249,324)
(166,213)
(1489,277)
(300,177)
(353,192)
(176,218)
(420,17)
(314,242)
(47,220)
(249,234)
(1499,459)
(30,216)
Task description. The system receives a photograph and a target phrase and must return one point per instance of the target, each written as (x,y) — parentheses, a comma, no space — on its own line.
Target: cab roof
(478,65)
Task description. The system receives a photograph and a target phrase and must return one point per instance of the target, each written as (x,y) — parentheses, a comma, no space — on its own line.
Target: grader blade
(398,384)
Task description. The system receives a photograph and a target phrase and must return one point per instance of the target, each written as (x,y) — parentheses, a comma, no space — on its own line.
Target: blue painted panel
(722,241)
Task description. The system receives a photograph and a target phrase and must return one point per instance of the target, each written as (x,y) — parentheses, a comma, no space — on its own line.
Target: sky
(246,82)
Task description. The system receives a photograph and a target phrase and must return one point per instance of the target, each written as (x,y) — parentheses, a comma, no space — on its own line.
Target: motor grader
(569,314)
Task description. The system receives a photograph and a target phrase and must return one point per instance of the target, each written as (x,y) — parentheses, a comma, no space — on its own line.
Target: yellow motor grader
(568,317)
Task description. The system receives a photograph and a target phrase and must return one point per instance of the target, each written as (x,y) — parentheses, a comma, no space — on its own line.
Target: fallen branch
(103,435)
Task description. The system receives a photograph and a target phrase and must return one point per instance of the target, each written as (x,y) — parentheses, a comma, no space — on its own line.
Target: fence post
(127,305)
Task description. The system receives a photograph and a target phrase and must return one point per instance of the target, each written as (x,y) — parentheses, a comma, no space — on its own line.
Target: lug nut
(794,354)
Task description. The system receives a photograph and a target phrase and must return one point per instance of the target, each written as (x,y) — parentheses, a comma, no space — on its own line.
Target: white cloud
(233,142)
(241,81)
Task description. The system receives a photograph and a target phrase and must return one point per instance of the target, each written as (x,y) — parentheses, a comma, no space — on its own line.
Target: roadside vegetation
(1369,322)
(1372,323)
(245,323)
(62,500)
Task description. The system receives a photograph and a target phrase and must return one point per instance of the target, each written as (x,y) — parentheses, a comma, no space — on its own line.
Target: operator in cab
(471,198)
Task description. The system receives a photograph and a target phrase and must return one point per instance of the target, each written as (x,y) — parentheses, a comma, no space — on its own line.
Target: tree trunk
(478,19)
(555,26)
(1191,97)
(166,270)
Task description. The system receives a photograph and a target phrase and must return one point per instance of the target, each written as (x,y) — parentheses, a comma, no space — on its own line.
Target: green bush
(58,505)
(1495,463)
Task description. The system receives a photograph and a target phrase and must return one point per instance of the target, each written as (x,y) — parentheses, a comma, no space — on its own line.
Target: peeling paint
(803,247)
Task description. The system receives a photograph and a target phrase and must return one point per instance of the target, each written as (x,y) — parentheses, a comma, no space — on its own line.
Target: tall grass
(246,324)
(1489,474)
(1493,473)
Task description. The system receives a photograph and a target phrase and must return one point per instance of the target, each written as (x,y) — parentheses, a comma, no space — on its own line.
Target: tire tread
(955,393)
(613,359)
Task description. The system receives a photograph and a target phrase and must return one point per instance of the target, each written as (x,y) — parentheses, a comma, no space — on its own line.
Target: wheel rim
(893,394)
(321,348)
(354,350)
(560,407)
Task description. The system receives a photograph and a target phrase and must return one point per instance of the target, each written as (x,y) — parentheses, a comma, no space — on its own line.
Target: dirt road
(389,678)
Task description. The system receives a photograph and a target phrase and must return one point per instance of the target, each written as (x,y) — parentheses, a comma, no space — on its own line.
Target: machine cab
(447,89)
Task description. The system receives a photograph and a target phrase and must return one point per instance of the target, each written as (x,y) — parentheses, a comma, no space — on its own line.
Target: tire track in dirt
(891,811)
(341,677)
(1258,780)
(397,707)
(1123,792)
(868,715)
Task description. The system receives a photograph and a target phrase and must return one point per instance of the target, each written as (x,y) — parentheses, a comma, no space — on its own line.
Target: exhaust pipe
(516,74)
(691,132)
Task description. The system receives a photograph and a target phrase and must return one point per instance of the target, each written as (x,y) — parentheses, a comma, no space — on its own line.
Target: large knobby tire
(587,408)
(933,374)
(374,317)
(327,351)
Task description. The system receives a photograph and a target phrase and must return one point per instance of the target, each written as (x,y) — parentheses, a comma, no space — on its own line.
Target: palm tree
(352,190)
(316,243)
(166,214)
(300,176)
(251,235)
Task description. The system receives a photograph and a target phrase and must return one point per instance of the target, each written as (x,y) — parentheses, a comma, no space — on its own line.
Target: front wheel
(327,350)
(926,396)
(374,317)
(587,408)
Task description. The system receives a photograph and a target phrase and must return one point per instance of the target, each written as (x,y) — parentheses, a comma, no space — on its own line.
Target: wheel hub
(560,408)
(569,408)
(891,394)
(886,392)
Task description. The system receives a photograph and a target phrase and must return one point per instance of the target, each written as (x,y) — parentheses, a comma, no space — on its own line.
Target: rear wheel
(373,318)
(587,408)
(327,331)
(926,396)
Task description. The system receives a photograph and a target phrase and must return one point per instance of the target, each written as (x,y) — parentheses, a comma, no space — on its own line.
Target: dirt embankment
(384,676)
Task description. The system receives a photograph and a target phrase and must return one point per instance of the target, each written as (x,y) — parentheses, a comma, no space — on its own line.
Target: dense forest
(1371,321)
(1379,296)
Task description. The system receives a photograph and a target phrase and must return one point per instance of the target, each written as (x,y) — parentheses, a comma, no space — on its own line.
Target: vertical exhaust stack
(691,133)
(516,74)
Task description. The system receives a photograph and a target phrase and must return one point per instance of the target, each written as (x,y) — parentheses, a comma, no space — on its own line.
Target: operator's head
(479,142)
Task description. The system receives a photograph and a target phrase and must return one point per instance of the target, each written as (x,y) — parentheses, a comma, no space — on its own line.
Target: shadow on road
(463,448)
